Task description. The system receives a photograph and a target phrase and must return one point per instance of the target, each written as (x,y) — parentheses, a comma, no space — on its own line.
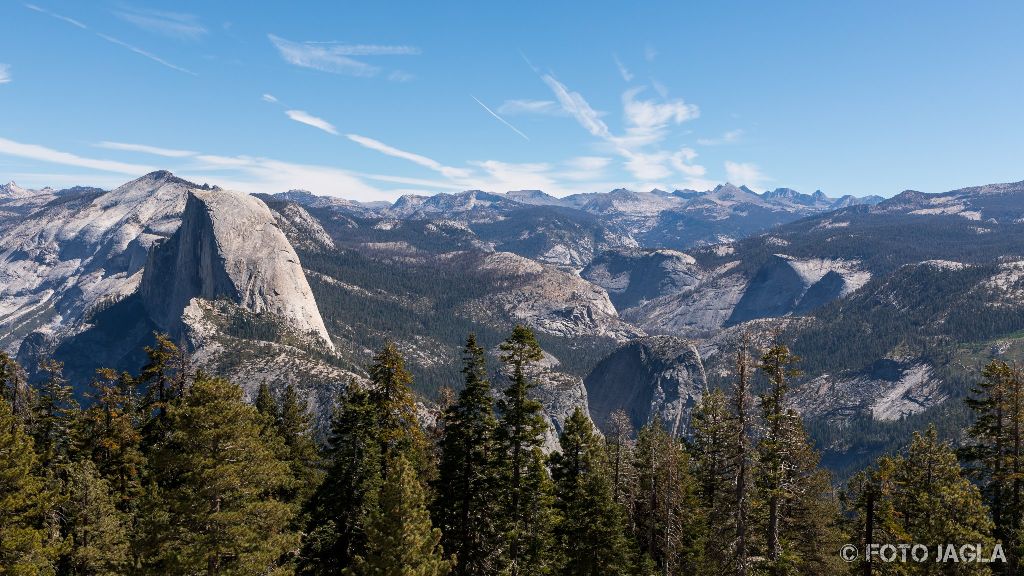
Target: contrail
(503,121)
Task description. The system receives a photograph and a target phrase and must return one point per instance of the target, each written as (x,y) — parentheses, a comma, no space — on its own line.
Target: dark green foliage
(108,435)
(370,429)
(921,497)
(53,415)
(467,487)
(25,547)
(666,515)
(295,428)
(186,478)
(590,536)
(340,507)
(800,528)
(526,514)
(995,451)
(218,476)
(98,533)
(400,537)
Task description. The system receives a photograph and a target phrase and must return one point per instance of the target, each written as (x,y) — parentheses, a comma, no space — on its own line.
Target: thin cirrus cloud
(5,73)
(338,58)
(308,119)
(377,145)
(44,154)
(728,137)
(523,107)
(171,24)
(143,148)
(623,71)
(246,173)
(111,39)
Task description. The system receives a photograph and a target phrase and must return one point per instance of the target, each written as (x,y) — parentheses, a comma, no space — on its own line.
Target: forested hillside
(169,470)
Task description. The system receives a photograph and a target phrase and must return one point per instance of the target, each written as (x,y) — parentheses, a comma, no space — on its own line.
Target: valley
(299,288)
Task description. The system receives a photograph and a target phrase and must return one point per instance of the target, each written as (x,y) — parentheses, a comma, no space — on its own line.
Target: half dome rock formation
(229,246)
(656,376)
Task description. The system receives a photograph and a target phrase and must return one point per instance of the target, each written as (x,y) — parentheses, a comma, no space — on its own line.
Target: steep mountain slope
(80,251)
(654,377)
(229,246)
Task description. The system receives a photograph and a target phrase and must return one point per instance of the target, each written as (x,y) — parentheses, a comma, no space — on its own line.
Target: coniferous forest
(171,470)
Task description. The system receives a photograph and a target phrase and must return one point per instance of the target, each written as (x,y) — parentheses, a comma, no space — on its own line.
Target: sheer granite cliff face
(654,377)
(229,246)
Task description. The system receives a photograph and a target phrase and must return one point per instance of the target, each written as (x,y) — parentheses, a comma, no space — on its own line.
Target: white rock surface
(81,251)
(230,246)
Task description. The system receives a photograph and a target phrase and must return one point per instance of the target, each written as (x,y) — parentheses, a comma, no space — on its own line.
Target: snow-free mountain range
(638,298)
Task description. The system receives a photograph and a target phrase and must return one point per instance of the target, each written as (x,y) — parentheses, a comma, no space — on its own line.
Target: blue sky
(373,100)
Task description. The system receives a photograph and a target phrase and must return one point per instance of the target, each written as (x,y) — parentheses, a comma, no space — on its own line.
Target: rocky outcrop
(657,376)
(229,247)
(80,251)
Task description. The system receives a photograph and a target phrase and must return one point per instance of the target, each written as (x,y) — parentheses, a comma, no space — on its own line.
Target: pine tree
(108,434)
(773,451)
(526,489)
(994,453)
(712,427)
(98,535)
(295,427)
(590,534)
(921,497)
(740,456)
(467,484)
(666,506)
(218,477)
(339,509)
(162,383)
(801,527)
(400,538)
(619,445)
(369,428)
(24,502)
(53,416)
(266,405)
(398,427)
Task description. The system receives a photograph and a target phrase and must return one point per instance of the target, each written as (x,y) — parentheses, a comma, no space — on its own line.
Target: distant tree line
(171,471)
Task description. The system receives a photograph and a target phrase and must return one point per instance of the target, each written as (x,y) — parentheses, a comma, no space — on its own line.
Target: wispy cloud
(647,124)
(728,137)
(142,52)
(5,73)
(71,21)
(578,108)
(583,168)
(44,154)
(650,52)
(500,119)
(383,148)
(337,58)
(145,149)
(647,120)
(401,76)
(541,107)
(111,39)
(171,24)
(623,71)
(270,98)
(310,120)
(747,174)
